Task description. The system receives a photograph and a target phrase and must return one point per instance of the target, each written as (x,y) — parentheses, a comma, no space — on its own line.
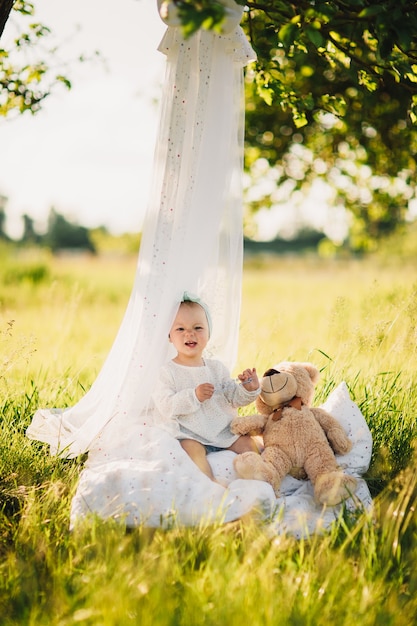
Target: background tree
(63,234)
(376,41)
(29,236)
(367,155)
(3,202)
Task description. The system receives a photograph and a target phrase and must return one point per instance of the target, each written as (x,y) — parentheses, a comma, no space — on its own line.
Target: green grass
(355,319)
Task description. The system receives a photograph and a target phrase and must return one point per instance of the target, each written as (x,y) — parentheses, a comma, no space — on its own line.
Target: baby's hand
(249,379)
(204,391)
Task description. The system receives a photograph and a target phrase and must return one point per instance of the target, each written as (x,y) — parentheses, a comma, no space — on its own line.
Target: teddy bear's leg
(249,465)
(319,459)
(279,464)
(245,464)
(331,484)
(332,488)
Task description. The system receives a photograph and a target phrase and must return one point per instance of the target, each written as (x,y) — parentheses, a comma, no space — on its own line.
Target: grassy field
(356,320)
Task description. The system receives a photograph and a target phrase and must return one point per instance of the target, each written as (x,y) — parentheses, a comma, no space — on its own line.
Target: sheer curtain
(192,235)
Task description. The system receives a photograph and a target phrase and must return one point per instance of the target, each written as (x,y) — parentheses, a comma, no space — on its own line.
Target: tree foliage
(333,95)
(375,42)
(366,153)
(27,72)
(63,234)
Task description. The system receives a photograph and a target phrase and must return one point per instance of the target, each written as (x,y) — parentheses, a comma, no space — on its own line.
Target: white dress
(207,422)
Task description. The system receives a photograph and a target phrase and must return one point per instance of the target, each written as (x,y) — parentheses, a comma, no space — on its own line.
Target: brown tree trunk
(5,8)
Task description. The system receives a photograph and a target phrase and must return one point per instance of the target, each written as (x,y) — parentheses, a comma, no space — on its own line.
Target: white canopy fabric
(192,236)
(192,241)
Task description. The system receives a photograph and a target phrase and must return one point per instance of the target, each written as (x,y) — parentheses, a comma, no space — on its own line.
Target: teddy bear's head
(283,382)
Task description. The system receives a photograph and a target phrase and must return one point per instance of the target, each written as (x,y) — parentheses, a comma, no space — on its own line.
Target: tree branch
(5,9)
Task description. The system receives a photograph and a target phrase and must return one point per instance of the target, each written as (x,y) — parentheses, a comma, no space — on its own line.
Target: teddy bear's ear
(313,372)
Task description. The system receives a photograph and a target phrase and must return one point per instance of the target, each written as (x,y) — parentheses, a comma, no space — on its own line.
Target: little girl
(198,393)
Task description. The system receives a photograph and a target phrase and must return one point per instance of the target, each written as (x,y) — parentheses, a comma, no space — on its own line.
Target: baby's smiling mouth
(191,344)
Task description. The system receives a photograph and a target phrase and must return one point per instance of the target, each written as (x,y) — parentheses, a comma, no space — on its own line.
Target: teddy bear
(295,435)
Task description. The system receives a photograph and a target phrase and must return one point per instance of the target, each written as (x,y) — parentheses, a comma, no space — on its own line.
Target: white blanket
(149,479)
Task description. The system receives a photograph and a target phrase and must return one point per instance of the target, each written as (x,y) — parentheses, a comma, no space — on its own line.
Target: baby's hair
(190,303)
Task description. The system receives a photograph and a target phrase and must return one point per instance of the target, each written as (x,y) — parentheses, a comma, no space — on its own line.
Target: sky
(88,153)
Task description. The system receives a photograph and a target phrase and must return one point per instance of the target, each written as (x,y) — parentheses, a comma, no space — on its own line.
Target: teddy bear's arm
(248,424)
(335,433)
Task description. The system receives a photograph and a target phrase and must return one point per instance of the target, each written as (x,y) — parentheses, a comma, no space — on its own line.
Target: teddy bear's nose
(271,372)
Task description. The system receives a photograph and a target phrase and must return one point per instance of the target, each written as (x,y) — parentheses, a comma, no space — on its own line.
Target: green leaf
(412,76)
(367,80)
(64,80)
(405,37)
(413,110)
(385,46)
(333,104)
(300,119)
(315,36)
(371,11)
(266,94)
(287,34)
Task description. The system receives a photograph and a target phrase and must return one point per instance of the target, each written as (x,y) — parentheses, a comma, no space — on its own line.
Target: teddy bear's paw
(250,465)
(238,426)
(246,464)
(339,441)
(332,488)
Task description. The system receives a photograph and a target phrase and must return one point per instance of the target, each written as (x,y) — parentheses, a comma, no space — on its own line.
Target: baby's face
(189,333)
